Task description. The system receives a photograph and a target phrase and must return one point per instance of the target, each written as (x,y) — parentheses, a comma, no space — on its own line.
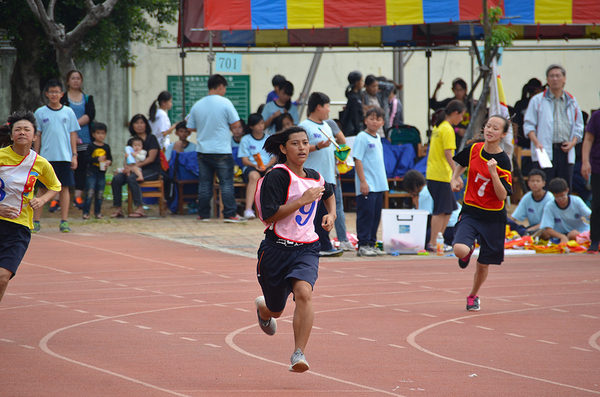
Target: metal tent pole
(399,72)
(182,55)
(310,78)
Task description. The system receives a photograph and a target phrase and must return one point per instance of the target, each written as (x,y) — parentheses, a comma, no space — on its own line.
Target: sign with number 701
(229,63)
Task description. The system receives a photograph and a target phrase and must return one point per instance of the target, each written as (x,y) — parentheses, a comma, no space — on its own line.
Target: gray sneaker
(347,246)
(378,251)
(299,363)
(36,227)
(64,227)
(365,250)
(269,327)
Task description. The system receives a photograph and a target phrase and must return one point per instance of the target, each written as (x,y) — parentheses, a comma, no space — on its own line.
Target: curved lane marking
(593,341)
(411,340)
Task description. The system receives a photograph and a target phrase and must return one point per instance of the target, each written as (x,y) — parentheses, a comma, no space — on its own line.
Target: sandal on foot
(117,215)
(137,215)
(86,216)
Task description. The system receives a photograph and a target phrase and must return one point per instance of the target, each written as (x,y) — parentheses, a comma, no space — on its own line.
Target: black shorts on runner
(444,201)
(489,235)
(14,240)
(278,266)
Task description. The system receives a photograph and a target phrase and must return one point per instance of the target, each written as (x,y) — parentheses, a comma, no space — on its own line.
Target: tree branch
(51,9)
(50,27)
(95,14)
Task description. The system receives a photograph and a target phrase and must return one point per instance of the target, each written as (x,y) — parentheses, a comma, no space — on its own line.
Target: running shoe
(347,246)
(36,227)
(299,363)
(365,251)
(269,327)
(54,206)
(593,249)
(464,262)
(235,219)
(473,303)
(78,203)
(332,252)
(249,214)
(377,251)
(64,227)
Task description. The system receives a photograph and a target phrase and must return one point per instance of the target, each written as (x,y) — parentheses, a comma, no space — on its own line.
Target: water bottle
(439,244)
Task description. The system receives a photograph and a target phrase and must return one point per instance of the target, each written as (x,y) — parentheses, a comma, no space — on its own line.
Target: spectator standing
(98,157)
(459,88)
(590,168)
(396,113)
(321,158)
(376,95)
(353,117)
(283,104)
(159,119)
(139,127)
(554,124)
(85,111)
(213,117)
(57,125)
(531,89)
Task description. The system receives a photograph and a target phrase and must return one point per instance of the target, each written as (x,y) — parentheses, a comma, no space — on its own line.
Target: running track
(130,315)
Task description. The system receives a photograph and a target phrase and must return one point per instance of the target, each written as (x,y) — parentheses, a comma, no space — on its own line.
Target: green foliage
(501,35)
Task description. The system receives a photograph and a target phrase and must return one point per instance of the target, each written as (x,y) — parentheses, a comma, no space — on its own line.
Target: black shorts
(14,240)
(489,235)
(248,170)
(278,266)
(63,172)
(444,201)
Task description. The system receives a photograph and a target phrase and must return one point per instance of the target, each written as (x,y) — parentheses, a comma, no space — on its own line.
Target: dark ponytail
(274,141)
(454,106)
(5,139)
(253,119)
(162,97)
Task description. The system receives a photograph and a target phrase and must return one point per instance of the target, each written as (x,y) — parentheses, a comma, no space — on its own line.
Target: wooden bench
(387,196)
(239,189)
(158,191)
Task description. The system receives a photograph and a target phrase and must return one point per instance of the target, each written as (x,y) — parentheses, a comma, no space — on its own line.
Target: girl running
(288,257)
(20,168)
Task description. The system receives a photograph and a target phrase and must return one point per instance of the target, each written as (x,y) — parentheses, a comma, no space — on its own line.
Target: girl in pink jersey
(20,167)
(288,257)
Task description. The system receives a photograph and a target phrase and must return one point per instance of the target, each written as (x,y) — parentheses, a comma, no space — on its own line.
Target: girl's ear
(282,149)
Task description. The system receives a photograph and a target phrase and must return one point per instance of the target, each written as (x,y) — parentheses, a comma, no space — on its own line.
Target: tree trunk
(64,60)
(25,78)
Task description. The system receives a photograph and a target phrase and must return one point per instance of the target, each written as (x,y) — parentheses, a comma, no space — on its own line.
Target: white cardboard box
(404,230)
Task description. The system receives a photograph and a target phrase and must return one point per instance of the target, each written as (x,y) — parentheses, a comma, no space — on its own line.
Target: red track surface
(122,315)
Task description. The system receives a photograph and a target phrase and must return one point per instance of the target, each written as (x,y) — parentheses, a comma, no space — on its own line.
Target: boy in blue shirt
(370,181)
(562,217)
(531,206)
(321,158)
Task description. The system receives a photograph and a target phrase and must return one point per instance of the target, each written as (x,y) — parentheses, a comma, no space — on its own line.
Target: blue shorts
(489,235)
(278,266)
(14,240)
(444,201)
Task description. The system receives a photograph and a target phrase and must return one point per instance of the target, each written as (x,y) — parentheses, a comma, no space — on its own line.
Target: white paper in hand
(543,158)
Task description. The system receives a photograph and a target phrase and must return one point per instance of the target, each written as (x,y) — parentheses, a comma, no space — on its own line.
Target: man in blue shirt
(212,117)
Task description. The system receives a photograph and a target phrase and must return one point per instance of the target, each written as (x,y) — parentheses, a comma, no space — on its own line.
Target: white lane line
(46,267)
(546,341)
(325,296)
(100,316)
(211,345)
(165,333)
(177,296)
(28,347)
(486,328)
(62,306)
(121,321)
(560,310)
(7,340)
(319,328)
(457,322)
(339,271)
(190,339)
(104,281)
(426,287)
(219,305)
(368,340)
(593,341)
(242,310)
(350,300)
(199,301)
(516,335)
(223,276)
(26,297)
(142,327)
(402,310)
(286,321)
(360,275)
(156,292)
(139,289)
(530,304)
(339,333)
(80,311)
(588,316)
(403,282)
(374,305)
(88,277)
(122,285)
(579,348)
(396,346)
(44,302)
(427,315)
(502,300)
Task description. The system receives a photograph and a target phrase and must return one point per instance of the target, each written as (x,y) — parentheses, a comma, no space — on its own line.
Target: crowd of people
(293,181)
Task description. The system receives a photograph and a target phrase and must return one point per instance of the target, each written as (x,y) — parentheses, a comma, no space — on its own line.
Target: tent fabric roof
(377,22)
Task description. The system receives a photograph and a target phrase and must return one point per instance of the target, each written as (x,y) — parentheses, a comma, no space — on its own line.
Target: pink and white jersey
(298,226)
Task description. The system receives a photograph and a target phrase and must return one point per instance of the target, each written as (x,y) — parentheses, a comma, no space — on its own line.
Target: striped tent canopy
(378,22)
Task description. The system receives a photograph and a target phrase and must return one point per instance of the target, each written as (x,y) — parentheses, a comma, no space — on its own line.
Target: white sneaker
(269,327)
(347,246)
(365,251)
(377,251)
(249,214)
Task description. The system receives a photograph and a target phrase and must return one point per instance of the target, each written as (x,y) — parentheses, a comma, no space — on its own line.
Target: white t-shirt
(56,127)
(531,209)
(211,117)
(567,219)
(323,160)
(160,124)
(368,149)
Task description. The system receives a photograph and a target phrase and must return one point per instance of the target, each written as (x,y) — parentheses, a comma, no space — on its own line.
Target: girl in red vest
(483,215)
(288,258)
